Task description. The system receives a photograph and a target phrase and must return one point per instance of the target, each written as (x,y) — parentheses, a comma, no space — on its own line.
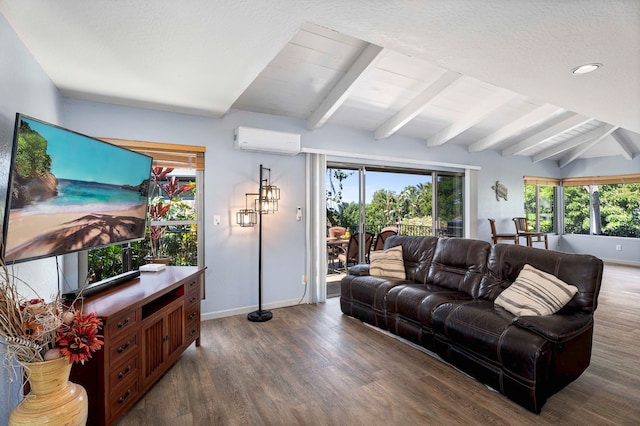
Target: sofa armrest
(558,327)
(361,269)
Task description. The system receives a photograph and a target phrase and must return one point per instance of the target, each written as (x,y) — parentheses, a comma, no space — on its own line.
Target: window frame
(167,155)
(543,181)
(597,181)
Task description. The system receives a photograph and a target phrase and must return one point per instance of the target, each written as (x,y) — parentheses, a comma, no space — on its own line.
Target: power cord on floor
(305,292)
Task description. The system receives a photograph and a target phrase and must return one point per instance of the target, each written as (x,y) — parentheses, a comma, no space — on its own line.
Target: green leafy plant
(164,205)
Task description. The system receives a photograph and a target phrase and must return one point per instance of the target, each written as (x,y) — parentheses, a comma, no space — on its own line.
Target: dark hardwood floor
(311,365)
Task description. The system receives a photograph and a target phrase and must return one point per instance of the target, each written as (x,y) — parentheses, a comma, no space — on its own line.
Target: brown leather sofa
(446,305)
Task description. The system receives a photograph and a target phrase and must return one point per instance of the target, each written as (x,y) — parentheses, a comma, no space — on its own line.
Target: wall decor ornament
(501,191)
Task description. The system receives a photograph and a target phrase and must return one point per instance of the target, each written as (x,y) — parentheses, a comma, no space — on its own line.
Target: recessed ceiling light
(587,68)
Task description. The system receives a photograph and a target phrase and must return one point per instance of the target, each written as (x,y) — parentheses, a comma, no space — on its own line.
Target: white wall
(23,88)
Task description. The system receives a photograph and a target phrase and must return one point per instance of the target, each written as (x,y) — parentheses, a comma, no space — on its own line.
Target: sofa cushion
(581,270)
(417,253)
(474,325)
(535,292)
(458,264)
(415,302)
(387,263)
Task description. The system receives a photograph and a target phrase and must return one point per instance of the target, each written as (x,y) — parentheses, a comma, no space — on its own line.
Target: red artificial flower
(32,329)
(79,339)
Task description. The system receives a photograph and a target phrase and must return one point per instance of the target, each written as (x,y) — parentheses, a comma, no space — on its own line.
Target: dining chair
(350,256)
(523,230)
(382,237)
(335,232)
(495,237)
(333,249)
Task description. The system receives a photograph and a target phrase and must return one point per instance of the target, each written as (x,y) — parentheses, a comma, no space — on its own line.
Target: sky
(79,157)
(395,182)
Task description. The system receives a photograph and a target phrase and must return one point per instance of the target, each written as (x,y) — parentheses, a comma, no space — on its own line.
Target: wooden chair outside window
(523,230)
(495,237)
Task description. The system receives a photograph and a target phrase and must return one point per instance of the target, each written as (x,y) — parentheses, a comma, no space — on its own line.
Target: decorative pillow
(535,293)
(387,263)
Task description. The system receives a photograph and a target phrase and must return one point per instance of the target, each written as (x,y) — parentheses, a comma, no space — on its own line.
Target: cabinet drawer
(123,349)
(124,396)
(191,299)
(192,313)
(192,331)
(122,323)
(192,289)
(122,373)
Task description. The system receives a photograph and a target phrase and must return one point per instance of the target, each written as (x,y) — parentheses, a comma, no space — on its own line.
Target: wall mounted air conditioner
(261,140)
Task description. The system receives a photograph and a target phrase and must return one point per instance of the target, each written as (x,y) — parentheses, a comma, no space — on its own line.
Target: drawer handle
(193,315)
(124,397)
(123,323)
(124,348)
(126,371)
(192,283)
(166,338)
(193,299)
(192,332)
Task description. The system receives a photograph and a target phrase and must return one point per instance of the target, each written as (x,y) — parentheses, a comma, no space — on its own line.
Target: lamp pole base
(259,316)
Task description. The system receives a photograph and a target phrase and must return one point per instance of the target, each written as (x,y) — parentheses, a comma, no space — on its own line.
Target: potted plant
(163,197)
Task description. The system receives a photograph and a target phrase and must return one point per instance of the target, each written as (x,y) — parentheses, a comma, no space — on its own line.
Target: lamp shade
(270,193)
(247,217)
(265,206)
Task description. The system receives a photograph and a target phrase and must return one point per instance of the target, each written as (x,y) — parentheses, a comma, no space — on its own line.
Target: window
(608,206)
(179,226)
(403,198)
(540,203)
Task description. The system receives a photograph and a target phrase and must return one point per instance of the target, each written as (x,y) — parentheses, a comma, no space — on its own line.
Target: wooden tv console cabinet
(148,323)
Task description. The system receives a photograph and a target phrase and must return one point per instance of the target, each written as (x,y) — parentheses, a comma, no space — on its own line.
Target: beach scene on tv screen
(71,192)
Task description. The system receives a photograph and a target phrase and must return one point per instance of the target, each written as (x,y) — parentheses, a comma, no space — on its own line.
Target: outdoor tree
(383,209)
(334,194)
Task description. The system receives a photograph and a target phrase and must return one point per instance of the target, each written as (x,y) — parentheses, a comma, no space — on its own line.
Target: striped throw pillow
(387,263)
(535,293)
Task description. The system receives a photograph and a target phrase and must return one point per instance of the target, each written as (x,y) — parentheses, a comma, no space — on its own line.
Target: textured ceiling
(485,74)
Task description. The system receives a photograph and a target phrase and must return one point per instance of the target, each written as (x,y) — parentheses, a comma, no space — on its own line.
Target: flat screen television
(69,192)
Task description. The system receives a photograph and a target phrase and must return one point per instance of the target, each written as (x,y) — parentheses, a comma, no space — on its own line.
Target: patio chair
(350,256)
(382,237)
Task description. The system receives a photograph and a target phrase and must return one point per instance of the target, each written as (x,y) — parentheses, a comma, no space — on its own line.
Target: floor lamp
(266,203)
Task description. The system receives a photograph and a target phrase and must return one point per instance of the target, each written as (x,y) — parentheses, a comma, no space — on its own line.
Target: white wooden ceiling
(490,75)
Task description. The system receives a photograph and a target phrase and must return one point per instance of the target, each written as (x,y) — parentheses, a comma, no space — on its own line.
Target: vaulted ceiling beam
(416,105)
(578,151)
(599,132)
(627,153)
(564,126)
(528,120)
(472,117)
(339,93)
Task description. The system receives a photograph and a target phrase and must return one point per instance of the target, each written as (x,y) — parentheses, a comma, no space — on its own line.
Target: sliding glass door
(415,202)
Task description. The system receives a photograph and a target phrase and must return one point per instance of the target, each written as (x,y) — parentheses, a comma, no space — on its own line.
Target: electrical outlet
(216,220)
(618,247)
(298,213)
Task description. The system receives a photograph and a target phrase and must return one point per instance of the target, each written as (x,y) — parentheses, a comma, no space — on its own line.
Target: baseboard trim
(246,309)
(621,262)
